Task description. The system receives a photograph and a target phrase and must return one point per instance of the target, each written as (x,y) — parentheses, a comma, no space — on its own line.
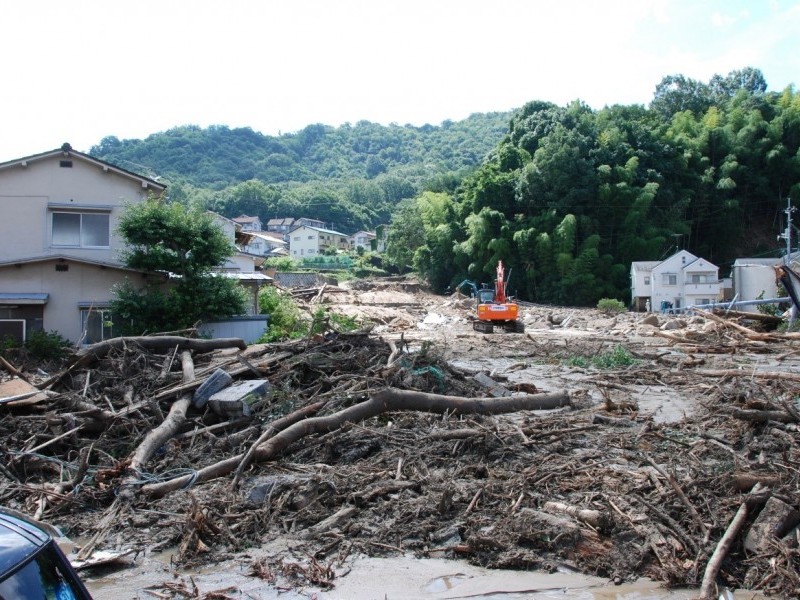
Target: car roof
(19,539)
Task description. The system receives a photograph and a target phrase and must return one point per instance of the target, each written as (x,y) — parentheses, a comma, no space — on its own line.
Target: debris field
(622,446)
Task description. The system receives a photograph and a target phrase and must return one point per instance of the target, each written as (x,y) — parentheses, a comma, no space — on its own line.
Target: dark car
(32,565)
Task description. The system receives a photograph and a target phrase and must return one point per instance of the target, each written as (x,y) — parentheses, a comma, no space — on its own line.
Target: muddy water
(404,578)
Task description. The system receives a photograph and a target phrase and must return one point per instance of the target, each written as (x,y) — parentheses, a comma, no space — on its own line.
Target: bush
(610,306)
(285,321)
(47,345)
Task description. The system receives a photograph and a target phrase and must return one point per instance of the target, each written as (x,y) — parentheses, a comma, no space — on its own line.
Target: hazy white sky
(82,70)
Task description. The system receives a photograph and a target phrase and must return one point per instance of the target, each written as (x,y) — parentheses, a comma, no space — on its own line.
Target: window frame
(106,315)
(82,230)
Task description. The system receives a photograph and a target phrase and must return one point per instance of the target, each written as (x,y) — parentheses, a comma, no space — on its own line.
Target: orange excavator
(495,308)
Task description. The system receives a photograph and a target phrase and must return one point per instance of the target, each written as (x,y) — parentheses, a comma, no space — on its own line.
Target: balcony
(702,289)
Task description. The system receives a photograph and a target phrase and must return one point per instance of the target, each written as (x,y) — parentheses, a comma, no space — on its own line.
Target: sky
(80,71)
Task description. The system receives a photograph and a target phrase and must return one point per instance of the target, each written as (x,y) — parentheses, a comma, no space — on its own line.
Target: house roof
(239,276)
(761,262)
(321,230)
(286,221)
(267,237)
(67,151)
(645,265)
(245,219)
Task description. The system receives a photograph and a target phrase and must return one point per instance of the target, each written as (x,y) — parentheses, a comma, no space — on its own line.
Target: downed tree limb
(99,350)
(679,492)
(595,518)
(762,416)
(760,317)
(753,374)
(385,400)
(708,587)
(177,415)
(274,428)
(90,354)
(152,442)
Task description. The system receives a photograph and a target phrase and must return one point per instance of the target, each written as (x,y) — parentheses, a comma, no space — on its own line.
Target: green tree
(185,245)
(404,236)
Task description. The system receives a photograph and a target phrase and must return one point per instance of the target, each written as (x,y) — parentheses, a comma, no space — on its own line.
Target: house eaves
(66,151)
(320,230)
(61,258)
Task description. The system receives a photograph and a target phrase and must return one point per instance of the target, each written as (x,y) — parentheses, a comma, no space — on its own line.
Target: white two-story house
(307,241)
(680,281)
(59,249)
(361,239)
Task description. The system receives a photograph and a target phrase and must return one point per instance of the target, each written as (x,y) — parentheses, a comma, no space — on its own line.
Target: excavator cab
(485,296)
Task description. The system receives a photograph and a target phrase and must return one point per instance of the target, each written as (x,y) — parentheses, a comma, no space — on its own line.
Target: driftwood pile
(362,447)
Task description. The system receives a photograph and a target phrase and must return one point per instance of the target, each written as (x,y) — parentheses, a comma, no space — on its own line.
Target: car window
(40,579)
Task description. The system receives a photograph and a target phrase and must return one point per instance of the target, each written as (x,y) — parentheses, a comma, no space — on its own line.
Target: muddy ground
(672,434)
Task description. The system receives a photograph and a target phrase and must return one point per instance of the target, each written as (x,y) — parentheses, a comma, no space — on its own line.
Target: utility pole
(787,233)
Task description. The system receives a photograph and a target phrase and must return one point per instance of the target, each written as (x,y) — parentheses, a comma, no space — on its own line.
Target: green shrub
(285,320)
(618,357)
(610,306)
(47,345)
(7,343)
(612,359)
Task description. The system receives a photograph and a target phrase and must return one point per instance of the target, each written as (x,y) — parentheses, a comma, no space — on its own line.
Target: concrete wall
(250,329)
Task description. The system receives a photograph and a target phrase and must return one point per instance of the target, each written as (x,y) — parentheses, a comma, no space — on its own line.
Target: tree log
(749,373)
(99,350)
(386,400)
(762,416)
(595,518)
(158,436)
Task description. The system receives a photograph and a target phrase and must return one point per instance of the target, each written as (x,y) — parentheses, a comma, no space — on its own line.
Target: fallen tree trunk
(152,442)
(708,587)
(158,436)
(754,374)
(166,342)
(386,400)
(90,354)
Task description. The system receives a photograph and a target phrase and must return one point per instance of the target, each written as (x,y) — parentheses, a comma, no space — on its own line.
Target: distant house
(248,223)
(680,281)
(312,241)
(285,225)
(242,266)
(59,246)
(361,239)
(265,244)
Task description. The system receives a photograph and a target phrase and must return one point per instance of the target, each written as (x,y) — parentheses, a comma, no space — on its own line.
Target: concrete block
(236,400)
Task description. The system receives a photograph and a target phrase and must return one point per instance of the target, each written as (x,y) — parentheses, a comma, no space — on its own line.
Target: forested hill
(572,196)
(219,156)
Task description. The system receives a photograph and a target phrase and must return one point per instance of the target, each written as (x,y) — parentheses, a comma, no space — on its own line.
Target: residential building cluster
(60,253)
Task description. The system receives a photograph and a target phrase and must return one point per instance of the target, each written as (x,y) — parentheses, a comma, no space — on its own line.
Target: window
(97,325)
(669,279)
(311,237)
(82,230)
(698,278)
(297,238)
(647,280)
